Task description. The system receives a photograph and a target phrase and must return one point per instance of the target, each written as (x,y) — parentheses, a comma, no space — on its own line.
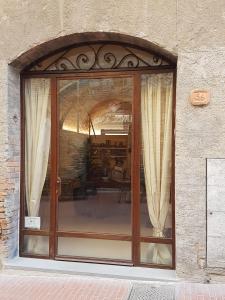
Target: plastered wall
(191,30)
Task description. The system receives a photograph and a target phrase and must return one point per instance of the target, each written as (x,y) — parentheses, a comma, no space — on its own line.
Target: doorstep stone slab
(91,269)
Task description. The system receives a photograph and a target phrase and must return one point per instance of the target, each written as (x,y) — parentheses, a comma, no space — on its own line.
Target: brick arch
(49,47)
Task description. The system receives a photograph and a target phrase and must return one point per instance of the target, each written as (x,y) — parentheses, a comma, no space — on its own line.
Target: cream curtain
(156,113)
(37,140)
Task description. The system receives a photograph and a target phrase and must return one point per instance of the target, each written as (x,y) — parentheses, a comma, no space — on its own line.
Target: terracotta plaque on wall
(199,97)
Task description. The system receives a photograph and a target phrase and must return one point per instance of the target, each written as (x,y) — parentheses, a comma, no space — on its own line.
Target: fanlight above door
(100,57)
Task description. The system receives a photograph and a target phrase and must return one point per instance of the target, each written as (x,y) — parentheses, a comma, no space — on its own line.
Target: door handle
(59,186)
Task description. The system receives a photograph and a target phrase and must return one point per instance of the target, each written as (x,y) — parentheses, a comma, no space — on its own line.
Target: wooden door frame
(53,234)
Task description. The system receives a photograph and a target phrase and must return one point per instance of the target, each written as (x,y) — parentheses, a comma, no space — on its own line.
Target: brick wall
(10,160)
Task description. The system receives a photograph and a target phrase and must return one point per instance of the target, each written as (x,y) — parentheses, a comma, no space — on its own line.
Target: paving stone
(197,291)
(151,291)
(62,288)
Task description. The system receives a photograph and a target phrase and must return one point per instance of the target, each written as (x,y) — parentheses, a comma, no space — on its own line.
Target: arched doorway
(98,161)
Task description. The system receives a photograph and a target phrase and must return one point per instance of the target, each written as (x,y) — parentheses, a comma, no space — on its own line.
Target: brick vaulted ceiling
(93,98)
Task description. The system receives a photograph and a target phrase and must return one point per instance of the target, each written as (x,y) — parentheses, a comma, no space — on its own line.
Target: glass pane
(34,244)
(156,254)
(94,248)
(37,153)
(156,155)
(95,155)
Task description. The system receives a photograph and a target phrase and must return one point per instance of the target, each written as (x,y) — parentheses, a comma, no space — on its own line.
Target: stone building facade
(191,32)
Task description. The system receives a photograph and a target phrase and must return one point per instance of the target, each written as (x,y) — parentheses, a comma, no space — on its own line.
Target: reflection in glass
(38,245)
(37,151)
(95,155)
(94,248)
(156,254)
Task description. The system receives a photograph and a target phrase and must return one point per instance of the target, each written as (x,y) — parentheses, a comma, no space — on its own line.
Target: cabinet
(109,157)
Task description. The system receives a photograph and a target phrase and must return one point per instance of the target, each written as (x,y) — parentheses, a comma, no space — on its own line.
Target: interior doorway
(98,156)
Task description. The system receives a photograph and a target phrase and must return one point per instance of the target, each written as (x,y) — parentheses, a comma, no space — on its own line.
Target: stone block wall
(215,213)
(200,134)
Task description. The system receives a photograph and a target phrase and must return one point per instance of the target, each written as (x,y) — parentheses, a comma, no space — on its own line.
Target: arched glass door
(97,183)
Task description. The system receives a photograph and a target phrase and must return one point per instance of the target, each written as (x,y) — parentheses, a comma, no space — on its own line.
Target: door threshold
(91,269)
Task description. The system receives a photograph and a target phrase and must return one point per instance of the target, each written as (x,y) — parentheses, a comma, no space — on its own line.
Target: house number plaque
(199,97)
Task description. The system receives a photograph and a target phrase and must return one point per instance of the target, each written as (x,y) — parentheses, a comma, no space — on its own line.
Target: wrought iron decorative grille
(100,57)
